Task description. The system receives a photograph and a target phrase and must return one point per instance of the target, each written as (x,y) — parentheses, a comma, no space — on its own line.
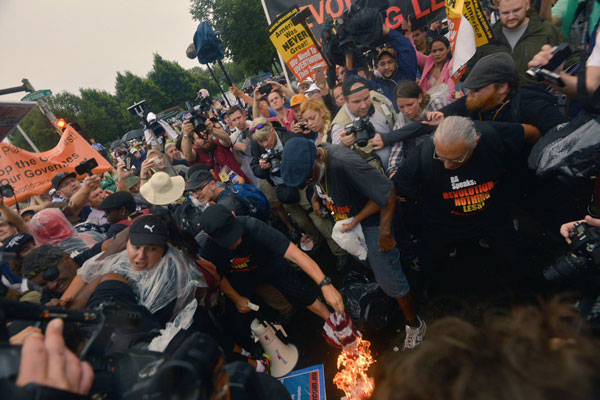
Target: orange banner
(31,173)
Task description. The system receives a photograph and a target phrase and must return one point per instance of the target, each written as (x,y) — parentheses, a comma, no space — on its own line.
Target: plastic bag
(570,150)
(365,302)
(183,321)
(353,241)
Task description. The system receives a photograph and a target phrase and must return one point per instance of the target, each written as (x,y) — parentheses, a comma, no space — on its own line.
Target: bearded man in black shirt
(348,186)
(461,175)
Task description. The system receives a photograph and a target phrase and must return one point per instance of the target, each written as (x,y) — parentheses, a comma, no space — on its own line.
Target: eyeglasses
(452,161)
(259,126)
(198,189)
(49,273)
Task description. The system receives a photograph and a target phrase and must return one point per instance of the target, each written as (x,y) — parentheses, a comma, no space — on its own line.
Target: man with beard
(211,147)
(494,95)
(521,33)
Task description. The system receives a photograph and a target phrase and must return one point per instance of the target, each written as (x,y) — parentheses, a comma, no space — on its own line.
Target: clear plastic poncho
(50,226)
(174,277)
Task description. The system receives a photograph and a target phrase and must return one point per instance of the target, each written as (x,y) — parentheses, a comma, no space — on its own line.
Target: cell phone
(265,89)
(128,163)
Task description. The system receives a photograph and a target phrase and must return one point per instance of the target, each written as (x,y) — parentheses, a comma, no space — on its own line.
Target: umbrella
(134,134)
(115,144)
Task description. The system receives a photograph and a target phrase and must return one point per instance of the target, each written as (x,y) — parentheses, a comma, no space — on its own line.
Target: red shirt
(290,116)
(221,156)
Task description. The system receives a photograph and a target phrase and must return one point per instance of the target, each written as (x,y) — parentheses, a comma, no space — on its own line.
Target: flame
(353,379)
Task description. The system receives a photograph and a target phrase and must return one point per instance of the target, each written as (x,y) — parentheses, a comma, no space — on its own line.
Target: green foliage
(39,129)
(244,28)
(104,117)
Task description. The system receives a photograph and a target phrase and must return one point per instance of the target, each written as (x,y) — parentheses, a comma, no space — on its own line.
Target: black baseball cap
(61,176)
(221,225)
(117,200)
(15,243)
(149,229)
(198,179)
(297,161)
(493,68)
(195,168)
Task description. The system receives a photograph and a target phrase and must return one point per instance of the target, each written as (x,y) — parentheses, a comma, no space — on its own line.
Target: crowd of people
(233,206)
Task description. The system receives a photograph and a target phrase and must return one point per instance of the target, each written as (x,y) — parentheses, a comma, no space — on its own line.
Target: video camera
(274,158)
(546,72)
(193,371)
(141,110)
(357,30)
(86,167)
(363,129)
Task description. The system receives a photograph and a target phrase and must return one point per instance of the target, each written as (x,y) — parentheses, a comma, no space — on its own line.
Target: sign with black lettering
(420,12)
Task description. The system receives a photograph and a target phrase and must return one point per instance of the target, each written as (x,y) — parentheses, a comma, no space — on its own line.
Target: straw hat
(162,189)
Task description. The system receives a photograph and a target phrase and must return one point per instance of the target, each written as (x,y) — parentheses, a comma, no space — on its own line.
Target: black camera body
(196,116)
(274,158)
(86,167)
(363,129)
(583,258)
(546,72)
(265,89)
(140,109)
(7,190)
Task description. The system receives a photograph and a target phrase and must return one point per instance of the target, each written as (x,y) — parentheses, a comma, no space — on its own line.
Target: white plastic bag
(183,321)
(353,241)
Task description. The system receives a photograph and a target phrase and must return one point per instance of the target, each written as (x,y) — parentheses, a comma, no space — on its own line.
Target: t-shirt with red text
(221,156)
(465,200)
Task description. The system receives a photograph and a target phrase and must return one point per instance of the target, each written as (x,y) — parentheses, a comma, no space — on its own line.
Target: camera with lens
(196,116)
(357,30)
(86,167)
(192,369)
(204,103)
(363,129)
(149,120)
(274,158)
(7,190)
(582,259)
(265,89)
(546,72)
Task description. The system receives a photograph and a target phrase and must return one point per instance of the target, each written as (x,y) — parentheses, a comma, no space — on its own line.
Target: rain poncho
(174,277)
(50,226)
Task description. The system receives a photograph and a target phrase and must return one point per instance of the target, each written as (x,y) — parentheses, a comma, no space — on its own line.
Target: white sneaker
(414,336)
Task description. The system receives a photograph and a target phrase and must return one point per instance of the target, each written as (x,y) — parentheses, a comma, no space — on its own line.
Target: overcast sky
(70,44)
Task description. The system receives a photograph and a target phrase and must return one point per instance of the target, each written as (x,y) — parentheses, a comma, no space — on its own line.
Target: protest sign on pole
(468,26)
(421,12)
(294,41)
(31,173)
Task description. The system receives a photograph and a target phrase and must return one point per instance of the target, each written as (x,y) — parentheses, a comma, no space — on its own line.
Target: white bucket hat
(162,189)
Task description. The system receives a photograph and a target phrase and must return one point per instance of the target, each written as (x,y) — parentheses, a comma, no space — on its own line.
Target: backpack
(209,48)
(253,198)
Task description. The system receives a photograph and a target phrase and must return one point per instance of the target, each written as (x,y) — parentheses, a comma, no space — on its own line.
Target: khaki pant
(313,225)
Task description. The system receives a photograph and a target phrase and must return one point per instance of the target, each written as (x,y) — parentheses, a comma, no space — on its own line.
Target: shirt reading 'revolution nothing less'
(349,183)
(464,200)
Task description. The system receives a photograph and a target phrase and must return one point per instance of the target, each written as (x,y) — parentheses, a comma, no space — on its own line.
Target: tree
(174,80)
(131,89)
(244,31)
(39,129)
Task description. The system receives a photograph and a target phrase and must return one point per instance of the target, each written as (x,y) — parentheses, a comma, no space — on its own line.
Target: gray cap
(493,68)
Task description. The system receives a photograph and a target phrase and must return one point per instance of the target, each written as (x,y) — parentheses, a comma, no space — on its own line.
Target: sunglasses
(259,126)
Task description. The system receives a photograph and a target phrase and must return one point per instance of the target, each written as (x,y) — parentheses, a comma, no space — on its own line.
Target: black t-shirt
(259,256)
(230,201)
(462,201)
(349,183)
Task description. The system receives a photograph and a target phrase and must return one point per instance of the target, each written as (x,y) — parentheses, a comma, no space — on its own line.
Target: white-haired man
(461,173)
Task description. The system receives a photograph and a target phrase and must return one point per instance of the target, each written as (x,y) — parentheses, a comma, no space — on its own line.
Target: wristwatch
(325,281)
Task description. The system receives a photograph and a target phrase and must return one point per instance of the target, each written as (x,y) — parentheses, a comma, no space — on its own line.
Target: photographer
(210,147)
(369,107)
(395,63)
(77,195)
(285,116)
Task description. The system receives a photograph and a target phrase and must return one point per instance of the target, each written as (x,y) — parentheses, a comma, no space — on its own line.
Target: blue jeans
(386,266)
